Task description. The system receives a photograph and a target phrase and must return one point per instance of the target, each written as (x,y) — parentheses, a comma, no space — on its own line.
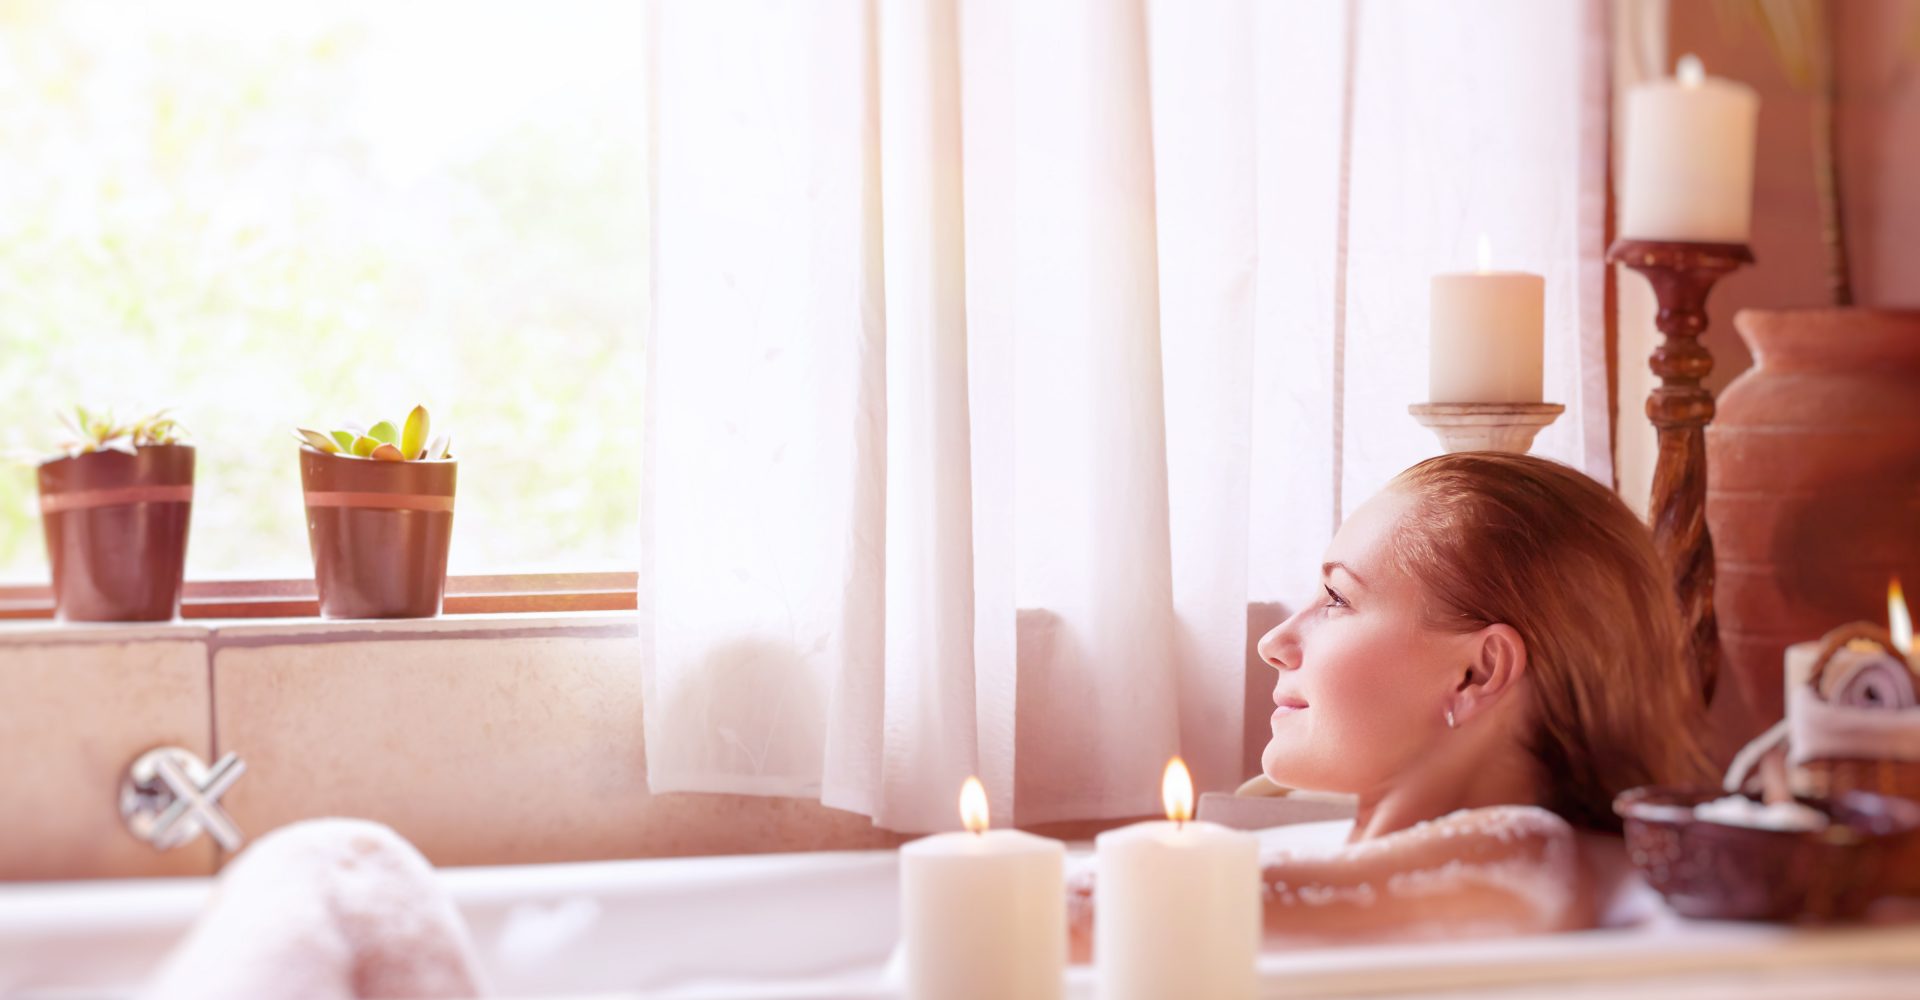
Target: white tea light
(1689,158)
(1176,905)
(983,913)
(1485,335)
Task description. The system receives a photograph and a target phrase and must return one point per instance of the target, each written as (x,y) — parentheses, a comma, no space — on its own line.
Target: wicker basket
(1829,776)
(1882,767)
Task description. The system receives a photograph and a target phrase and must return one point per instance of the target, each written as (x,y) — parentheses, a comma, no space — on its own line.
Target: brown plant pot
(1813,483)
(116,529)
(380,532)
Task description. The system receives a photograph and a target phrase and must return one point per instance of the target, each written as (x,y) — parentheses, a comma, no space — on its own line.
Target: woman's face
(1364,683)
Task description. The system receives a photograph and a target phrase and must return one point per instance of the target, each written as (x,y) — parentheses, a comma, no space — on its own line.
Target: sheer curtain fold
(993,368)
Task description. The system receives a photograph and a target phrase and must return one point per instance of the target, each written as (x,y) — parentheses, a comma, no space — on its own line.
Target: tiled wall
(76,707)
(483,739)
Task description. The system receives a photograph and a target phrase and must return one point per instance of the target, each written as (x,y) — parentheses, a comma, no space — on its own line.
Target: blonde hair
(1538,546)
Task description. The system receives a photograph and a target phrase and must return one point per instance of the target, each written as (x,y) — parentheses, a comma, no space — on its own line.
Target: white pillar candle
(1689,159)
(1485,336)
(1176,906)
(983,913)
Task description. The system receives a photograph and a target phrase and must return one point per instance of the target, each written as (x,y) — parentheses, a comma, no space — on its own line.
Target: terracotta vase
(1813,483)
(380,533)
(116,530)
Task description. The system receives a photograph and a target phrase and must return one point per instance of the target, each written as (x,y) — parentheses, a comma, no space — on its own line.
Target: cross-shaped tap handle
(168,797)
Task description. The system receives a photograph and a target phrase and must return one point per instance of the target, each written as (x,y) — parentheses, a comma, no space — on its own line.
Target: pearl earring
(1450,722)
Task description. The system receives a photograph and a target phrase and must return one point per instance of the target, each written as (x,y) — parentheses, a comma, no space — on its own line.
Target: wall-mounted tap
(168,797)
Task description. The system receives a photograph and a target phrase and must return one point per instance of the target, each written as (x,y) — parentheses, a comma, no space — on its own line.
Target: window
(268,215)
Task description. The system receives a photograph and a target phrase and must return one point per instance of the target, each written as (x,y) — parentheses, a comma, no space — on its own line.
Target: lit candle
(1689,158)
(1899,620)
(983,913)
(1176,905)
(1485,335)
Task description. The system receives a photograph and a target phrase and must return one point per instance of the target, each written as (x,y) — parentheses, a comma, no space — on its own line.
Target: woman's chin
(1289,761)
(1279,765)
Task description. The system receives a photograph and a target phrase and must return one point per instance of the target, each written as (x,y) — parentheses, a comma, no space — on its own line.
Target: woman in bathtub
(1495,653)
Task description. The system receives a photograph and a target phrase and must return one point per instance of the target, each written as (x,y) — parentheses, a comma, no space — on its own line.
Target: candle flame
(1176,791)
(1690,70)
(1899,622)
(973,806)
(1486,254)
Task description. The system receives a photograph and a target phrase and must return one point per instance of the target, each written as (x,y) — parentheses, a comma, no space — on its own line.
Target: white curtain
(1003,352)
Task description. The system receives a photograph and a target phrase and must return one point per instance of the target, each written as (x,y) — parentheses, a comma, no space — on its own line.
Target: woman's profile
(1495,653)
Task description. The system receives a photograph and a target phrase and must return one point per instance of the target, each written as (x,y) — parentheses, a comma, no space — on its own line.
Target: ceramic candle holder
(1486,426)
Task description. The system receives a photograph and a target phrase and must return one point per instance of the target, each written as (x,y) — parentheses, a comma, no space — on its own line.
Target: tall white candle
(1689,158)
(983,913)
(1176,906)
(1485,336)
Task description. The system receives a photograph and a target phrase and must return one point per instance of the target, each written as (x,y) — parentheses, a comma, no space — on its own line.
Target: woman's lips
(1287,705)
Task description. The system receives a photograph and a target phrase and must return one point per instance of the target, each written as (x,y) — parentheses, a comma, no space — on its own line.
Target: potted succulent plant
(114,505)
(379,517)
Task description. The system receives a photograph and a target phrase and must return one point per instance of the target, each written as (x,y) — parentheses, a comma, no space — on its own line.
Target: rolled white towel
(322,909)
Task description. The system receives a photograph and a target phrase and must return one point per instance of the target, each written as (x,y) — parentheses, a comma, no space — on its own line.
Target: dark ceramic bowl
(1719,871)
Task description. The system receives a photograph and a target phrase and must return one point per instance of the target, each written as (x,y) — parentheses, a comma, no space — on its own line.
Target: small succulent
(98,431)
(383,442)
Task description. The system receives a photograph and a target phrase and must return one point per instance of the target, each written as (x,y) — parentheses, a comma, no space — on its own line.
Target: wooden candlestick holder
(1680,407)
(1486,426)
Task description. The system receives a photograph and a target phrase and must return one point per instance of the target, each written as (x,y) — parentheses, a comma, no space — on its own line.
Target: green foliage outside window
(258,215)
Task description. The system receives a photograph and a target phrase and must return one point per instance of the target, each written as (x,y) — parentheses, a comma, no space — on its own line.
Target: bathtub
(771,927)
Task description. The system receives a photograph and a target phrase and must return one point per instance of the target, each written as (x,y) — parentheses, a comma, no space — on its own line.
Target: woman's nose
(1281,647)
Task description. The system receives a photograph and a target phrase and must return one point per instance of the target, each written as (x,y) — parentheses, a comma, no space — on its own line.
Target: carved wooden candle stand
(1680,407)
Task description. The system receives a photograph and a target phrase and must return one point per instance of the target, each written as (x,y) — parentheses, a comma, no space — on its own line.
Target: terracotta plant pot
(116,528)
(380,532)
(1813,483)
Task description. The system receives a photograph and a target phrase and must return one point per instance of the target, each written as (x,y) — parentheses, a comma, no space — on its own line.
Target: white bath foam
(323,909)
(1738,810)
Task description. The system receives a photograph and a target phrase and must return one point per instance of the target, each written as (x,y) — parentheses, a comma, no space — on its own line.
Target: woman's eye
(1334,600)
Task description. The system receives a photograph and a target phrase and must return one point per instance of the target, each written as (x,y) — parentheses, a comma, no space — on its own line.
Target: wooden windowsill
(217,634)
(466,595)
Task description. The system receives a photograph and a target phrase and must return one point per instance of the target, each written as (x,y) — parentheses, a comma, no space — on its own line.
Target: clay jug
(1813,483)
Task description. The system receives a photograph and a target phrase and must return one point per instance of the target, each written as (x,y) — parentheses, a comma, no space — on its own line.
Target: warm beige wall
(1878,42)
(483,739)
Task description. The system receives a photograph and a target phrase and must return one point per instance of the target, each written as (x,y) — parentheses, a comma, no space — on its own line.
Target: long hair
(1500,538)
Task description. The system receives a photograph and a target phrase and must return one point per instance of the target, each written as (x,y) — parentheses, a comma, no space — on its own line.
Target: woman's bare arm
(1484,872)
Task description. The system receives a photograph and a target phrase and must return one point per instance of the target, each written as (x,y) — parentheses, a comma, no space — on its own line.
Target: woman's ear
(1499,662)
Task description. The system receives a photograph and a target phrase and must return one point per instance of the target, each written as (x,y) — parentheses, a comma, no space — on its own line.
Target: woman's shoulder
(1506,823)
(1512,866)
(1485,834)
